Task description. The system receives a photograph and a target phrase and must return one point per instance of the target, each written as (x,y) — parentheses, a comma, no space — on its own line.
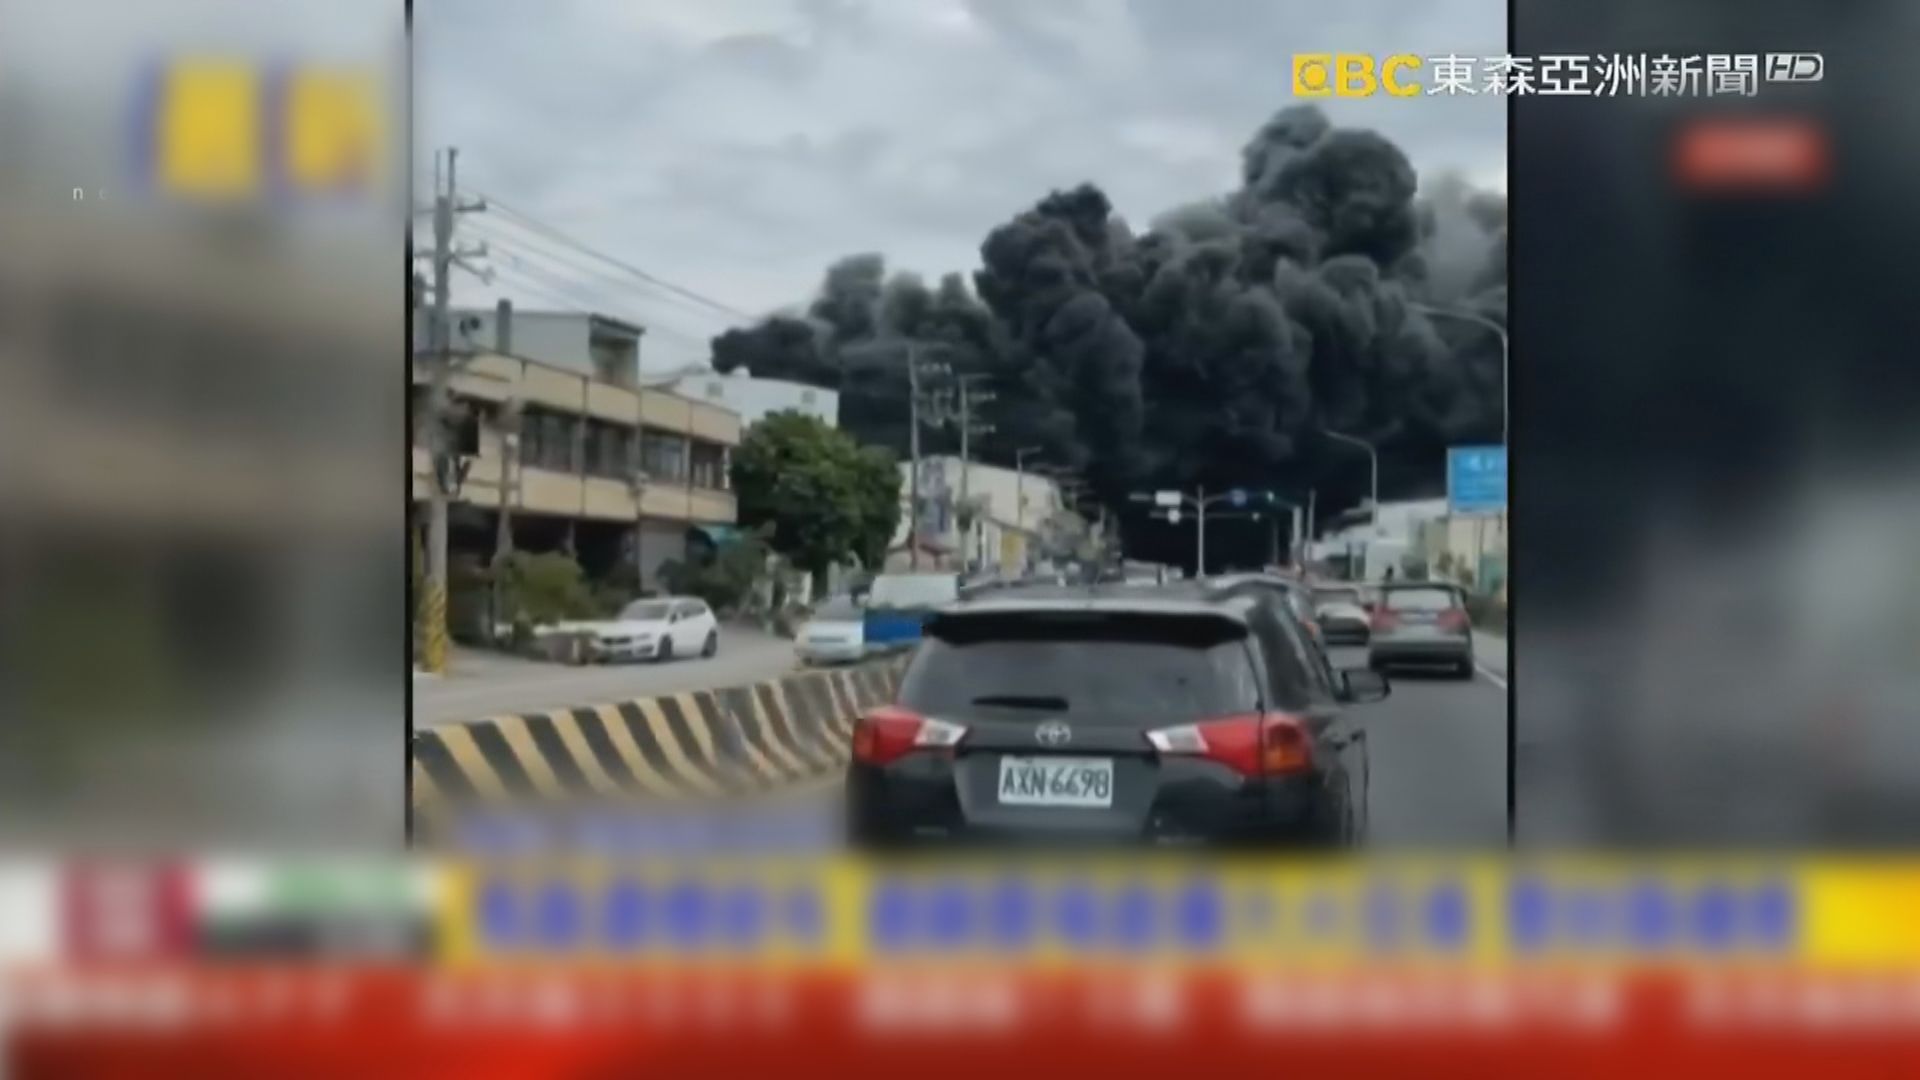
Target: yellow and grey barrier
(692,744)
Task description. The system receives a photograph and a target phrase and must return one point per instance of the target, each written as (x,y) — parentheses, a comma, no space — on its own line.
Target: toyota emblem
(1053,733)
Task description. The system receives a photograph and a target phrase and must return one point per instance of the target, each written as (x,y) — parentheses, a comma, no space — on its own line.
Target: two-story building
(596,463)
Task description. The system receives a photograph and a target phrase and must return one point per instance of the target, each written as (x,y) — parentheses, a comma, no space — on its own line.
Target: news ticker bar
(851,912)
(372,1022)
(848,912)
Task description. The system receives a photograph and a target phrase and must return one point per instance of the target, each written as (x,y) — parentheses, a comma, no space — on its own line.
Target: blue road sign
(1477,479)
(1239,497)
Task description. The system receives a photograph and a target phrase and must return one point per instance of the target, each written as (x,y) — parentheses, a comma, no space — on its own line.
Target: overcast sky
(736,147)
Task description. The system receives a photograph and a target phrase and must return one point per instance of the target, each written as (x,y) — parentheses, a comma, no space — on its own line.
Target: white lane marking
(1491,677)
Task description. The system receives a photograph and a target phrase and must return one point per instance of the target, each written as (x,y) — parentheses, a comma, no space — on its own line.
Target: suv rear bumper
(885,809)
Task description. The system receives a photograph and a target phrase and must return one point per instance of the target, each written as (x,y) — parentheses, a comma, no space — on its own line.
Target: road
(482,684)
(1438,748)
(1439,755)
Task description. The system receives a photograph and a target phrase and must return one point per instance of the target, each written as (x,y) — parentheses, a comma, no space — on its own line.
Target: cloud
(737,147)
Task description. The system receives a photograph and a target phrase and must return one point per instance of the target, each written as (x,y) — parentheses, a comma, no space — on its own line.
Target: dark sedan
(1102,719)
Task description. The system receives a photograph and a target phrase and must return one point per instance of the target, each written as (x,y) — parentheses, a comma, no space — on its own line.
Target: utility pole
(1306,553)
(1200,518)
(913,451)
(447,473)
(508,427)
(969,399)
(1020,498)
(936,412)
(1299,517)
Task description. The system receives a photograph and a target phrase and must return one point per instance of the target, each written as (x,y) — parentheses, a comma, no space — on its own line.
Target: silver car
(835,635)
(1342,611)
(1421,622)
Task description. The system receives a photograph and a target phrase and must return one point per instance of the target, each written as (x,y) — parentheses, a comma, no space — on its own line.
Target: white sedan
(658,629)
(836,634)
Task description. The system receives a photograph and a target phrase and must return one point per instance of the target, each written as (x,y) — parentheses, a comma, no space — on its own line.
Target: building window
(546,440)
(664,456)
(609,449)
(614,360)
(710,466)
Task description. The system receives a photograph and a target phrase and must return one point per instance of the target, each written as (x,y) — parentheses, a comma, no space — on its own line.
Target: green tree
(823,496)
(725,581)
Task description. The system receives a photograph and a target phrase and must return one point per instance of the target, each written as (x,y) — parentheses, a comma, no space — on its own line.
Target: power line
(533,245)
(581,300)
(587,305)
(528,221)
(525,256)
(558,290)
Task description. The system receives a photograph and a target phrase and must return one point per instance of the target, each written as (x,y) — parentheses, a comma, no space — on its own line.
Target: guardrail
(686,745)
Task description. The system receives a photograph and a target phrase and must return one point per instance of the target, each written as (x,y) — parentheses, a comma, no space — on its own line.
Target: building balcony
(571,495)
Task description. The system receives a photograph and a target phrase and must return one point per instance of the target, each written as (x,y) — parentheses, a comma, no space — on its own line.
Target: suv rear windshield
(1420,599)
(1096,669)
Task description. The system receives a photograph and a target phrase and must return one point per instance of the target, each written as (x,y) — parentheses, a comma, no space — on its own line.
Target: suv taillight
(889,733)
(1384,619)
(1453,619)
(1274,744)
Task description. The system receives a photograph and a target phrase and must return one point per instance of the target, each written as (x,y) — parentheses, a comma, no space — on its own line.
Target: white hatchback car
(653,629)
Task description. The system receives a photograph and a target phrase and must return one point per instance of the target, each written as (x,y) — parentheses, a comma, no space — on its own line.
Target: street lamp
(1499,332)
(1373,456)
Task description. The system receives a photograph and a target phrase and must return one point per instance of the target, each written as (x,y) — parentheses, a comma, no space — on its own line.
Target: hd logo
(226,129)
(1353,75)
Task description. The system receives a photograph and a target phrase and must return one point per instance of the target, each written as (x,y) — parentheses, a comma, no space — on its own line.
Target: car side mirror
(1362,686)
(673,618)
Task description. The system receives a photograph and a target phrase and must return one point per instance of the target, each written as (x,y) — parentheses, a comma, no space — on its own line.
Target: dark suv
(1102,719)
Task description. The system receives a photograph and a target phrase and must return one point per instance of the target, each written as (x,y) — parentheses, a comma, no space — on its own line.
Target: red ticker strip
(1127,1022)
(1751,155)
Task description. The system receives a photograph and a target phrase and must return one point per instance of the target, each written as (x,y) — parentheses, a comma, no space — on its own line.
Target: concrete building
(1456,547)
(1015,511)
(754,399)
(573,470)
(1421,530)
(598,345)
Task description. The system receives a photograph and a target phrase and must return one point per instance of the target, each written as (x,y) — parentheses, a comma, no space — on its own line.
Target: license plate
(1051,781)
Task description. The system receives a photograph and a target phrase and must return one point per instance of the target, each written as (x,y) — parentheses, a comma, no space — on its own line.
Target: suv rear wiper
(1017,701)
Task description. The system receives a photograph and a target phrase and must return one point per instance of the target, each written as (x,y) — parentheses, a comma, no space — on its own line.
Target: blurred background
(202,559)
(1716,630)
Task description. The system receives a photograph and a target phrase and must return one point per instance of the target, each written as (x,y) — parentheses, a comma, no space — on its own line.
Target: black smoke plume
(1214,349)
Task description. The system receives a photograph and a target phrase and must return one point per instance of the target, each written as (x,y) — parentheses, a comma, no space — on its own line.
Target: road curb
(754,738)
